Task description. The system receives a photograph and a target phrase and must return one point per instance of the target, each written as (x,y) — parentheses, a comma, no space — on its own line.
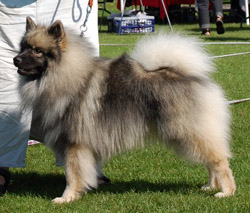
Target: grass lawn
(153,179)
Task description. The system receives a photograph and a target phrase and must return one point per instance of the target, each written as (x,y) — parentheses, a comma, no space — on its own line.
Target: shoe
(219,25)
(6,174)
(206,32)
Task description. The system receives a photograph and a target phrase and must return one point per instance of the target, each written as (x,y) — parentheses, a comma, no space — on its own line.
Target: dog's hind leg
(215,157)
(80,172)
(224,177)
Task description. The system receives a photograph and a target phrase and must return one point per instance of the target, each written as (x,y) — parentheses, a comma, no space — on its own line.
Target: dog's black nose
(17,60)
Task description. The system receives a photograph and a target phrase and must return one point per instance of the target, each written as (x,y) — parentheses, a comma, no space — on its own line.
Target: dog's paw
(60,200)
(220,195)
(208,187)
(223,194)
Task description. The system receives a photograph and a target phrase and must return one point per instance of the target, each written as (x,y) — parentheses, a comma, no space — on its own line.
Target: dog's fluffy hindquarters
(92,108)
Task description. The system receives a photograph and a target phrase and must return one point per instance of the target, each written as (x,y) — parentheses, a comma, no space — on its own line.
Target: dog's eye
(37,51)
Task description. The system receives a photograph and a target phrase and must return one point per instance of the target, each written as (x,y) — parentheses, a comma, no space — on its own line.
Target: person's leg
(14,124)
(14,132)
(4,179)
(217,6)
(203,14)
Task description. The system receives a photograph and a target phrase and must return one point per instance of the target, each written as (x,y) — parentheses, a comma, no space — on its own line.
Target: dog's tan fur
(92,108)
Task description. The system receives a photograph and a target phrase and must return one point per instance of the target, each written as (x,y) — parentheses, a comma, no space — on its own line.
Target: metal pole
(247,12)
(143,9)
(122,6)
(229,55)
(238,101)
(167,15)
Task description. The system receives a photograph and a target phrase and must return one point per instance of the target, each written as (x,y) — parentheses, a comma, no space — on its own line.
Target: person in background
(204,19)
(14,123)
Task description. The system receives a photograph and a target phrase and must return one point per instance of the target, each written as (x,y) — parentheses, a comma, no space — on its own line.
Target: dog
(91,108)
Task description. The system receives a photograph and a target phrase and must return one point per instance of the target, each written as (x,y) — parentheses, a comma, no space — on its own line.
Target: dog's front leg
(80,173)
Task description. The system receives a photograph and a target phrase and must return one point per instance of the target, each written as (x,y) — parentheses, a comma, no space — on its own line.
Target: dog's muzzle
(35,71)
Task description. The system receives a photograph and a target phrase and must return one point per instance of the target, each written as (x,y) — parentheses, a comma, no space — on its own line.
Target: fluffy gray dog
(92,108)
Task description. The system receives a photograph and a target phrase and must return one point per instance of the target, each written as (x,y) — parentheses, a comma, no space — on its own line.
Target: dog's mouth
(34,72)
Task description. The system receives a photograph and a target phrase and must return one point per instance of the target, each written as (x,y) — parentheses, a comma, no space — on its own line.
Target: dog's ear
(57,30)
(30,24)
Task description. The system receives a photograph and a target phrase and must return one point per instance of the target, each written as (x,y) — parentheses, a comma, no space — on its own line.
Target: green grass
(153,179)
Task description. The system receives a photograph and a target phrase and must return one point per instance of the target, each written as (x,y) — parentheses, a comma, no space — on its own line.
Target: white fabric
(14,125)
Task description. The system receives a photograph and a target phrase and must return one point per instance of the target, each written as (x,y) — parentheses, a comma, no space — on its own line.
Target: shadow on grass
(141,186)
(47,185)
(51,186)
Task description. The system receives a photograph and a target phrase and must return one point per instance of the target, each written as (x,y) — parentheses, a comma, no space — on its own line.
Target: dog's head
(40,46)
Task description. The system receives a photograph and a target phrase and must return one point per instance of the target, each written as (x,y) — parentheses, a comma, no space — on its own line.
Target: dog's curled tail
(180,52)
